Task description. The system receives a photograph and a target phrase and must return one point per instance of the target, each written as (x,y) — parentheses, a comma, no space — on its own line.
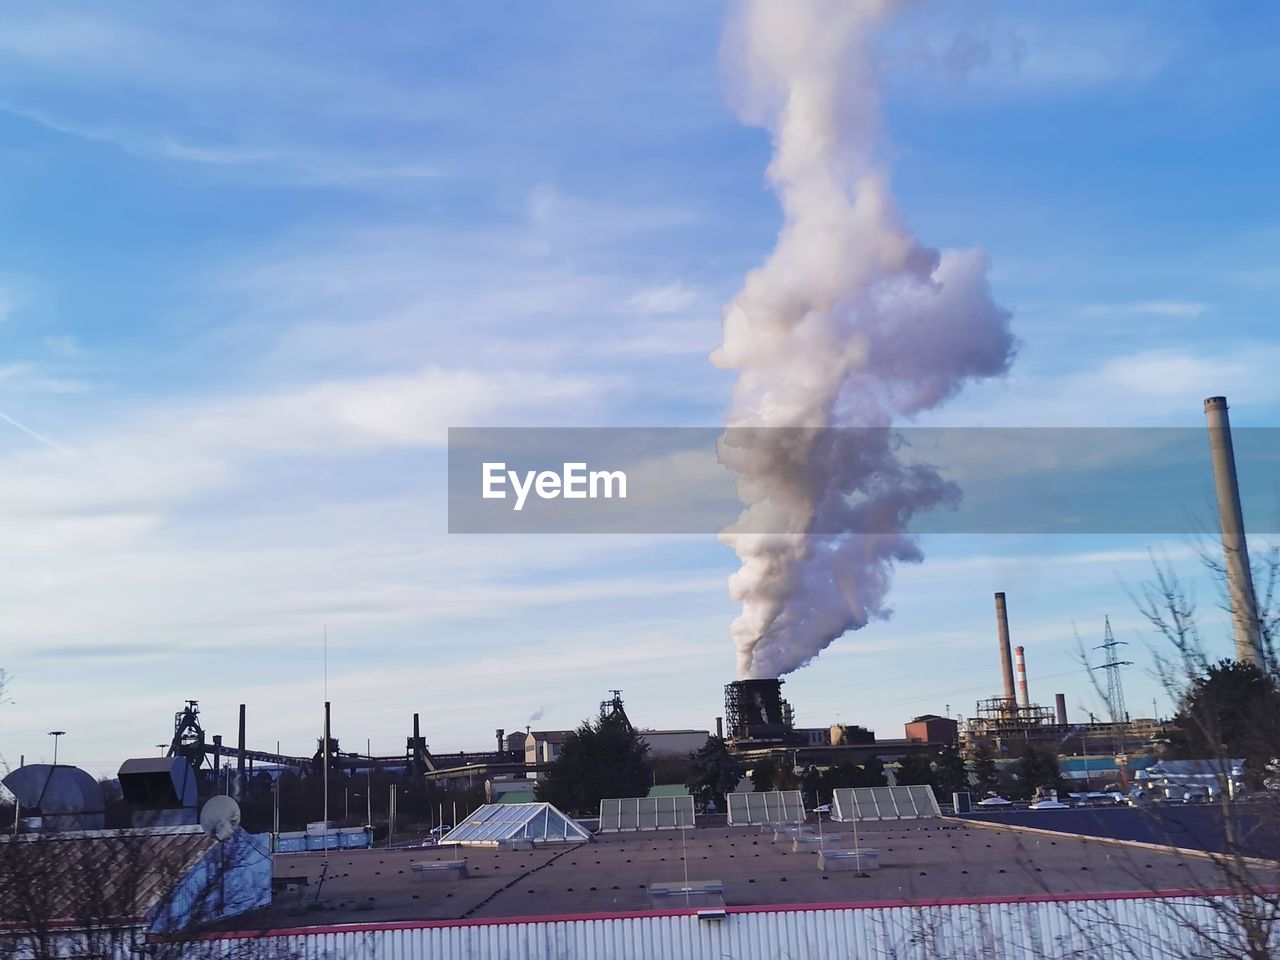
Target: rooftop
(919,861)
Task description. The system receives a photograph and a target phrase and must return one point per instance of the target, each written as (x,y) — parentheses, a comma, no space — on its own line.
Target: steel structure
(755,710)
(1115,689)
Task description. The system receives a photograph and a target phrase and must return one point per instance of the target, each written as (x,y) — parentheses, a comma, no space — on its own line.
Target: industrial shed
(944,889)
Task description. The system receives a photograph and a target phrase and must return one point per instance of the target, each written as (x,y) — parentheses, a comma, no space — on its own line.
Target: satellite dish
(220,817)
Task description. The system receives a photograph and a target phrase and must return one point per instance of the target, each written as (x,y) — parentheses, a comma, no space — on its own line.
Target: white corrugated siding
(1137,929)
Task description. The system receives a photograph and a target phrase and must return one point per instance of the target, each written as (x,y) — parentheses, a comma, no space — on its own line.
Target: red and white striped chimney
(1021,662)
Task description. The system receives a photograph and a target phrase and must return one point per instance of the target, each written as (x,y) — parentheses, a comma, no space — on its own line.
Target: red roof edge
(693,911)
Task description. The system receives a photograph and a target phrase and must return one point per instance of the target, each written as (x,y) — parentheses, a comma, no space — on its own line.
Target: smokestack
(719,728)
(1006,658)
(240,758)
(1244,604)
(1023,698)
(1060,701)
(502,740)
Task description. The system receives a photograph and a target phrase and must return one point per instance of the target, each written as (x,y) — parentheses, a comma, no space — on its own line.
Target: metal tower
(1115,689)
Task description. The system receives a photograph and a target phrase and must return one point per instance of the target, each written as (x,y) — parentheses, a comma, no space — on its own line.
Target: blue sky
(255,261)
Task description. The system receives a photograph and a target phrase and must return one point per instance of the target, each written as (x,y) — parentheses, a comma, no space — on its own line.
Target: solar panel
(775,806)
(912,802)
(646,813)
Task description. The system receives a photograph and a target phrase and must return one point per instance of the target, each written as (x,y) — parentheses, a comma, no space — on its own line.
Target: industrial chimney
(1060,701)
(1244,604)
(238,793)
(1006,658)
(1024,698)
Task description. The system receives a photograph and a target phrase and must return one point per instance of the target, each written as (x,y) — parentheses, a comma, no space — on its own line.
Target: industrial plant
(739,466)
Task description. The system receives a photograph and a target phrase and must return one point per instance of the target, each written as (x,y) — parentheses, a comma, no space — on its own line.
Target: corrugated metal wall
(1140,929)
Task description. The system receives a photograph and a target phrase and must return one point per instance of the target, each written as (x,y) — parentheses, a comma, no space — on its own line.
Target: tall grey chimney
(1235,550)
(1060,702)
(1006,654)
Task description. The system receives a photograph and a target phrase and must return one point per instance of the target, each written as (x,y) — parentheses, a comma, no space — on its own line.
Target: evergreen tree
(873,773)
(764,776)
(603,759)
(950,773)
(1038,768)
(915,769)
(713,772)
(986,777)
(1232,711)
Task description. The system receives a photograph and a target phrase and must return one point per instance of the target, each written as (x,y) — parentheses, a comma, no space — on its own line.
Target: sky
(255,261)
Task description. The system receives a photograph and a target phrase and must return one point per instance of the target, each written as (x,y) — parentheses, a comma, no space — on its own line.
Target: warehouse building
(941,889)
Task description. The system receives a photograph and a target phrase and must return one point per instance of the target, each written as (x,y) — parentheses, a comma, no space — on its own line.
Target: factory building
(749,894)
(931,728)
(674,742)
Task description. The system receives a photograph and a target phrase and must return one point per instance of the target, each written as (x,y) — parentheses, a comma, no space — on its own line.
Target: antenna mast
(1115,689)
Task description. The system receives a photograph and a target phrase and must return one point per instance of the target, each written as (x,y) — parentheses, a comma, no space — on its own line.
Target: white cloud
(1157,386)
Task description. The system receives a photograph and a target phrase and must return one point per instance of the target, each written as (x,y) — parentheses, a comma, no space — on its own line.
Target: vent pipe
(1006,658)
(1023,698)
(1235,550)
(1060,701)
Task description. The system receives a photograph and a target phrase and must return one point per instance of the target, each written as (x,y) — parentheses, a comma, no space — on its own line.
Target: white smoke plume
(850,322)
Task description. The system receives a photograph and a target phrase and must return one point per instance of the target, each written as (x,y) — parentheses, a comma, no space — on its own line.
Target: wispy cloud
(35,435)
(966,48)
(316,167)
(1151,308)
(1156,386)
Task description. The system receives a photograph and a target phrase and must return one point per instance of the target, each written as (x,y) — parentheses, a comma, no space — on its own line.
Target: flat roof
(919,862)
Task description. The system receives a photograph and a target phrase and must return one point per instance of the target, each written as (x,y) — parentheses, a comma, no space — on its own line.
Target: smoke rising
(850,322)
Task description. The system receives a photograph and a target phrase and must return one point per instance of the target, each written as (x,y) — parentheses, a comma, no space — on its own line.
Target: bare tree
(119,894)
